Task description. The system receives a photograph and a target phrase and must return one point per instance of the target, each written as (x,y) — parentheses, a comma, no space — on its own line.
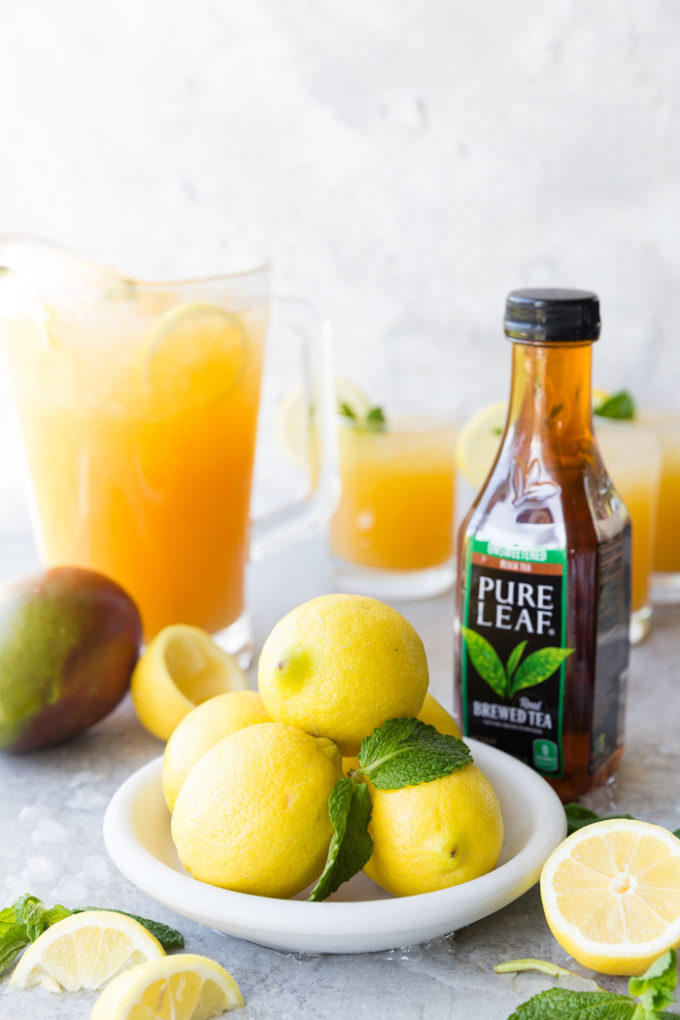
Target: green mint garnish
(406,752)
(375,420)
(621,406)
(401,752)
(28,918)
(349,806)
(346,411)
(648,995)
(676,832)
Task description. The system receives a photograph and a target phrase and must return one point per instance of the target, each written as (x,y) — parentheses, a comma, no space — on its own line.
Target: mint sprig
(27,918)
(401,752)
(648,995)
(407,752)
(620,406)
(349,806)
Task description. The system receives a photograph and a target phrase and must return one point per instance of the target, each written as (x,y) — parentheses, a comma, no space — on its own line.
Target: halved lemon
(185,986)
(195,353)
(478,442)
(180,668)
(84,951)
(611,895)
(292,424)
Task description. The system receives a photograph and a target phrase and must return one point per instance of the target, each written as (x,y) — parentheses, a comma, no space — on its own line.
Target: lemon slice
(195,354)
(478,442)
(84,951)
(184,986)
(291,423)
(181,667)
(611,895)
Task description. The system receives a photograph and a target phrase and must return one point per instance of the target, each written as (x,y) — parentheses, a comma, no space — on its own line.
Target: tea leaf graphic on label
(514,657)
(484,658)
(539,666)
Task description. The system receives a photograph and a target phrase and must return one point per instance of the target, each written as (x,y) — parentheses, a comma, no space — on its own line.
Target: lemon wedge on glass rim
(611,895)
(479,439)
(180,668)
(291,422)
(184,986)
(195,352)
(84,950)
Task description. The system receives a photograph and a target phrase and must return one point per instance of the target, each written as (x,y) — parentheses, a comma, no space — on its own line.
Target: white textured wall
(405,163)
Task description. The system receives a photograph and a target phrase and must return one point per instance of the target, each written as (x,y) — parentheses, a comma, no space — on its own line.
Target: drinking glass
(632,454)
(138,403)
(666,556)
(391,535)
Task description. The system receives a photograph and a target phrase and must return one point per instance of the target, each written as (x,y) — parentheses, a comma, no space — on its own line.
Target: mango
(69,640)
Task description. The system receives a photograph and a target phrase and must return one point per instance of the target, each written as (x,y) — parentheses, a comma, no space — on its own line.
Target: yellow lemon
(436,715)
(184,986)
(84,951)
(478,442)
(339,666)
(434,835)
(611,895)
(252,815)
(181,667)
(201,729)
(431,713)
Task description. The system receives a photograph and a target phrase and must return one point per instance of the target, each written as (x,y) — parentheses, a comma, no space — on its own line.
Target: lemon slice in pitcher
(195,353)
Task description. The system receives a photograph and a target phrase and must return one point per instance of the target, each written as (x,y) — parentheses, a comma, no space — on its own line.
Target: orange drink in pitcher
(138,404)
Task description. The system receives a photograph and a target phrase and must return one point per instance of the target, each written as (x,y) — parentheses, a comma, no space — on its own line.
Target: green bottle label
(513,653)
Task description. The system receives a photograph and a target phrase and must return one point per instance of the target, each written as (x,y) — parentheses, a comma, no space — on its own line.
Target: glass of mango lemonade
(632,456)
(138,404)
(666,556)
(392,532)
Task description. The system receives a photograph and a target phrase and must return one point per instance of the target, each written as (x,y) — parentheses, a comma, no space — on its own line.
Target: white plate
(360,917)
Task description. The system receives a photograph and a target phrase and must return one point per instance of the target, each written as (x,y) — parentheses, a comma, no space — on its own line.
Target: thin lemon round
(84,951)
(180,668)
(478,442)
(201,729)
(184,986)
(611,895)
(435,835)
(195,353)
(252,815)
(291,422)
(338,666)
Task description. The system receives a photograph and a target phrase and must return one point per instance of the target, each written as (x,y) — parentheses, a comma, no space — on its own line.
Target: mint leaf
(375,420)
(562,1004)
(676,832)
(655,987)
(578,816)
(538,667)
(406,752)
(349,806)
(621,406)
(484,658)
(346,411)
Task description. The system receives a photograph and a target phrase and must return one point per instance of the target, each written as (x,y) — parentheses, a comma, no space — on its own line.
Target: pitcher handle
(304,517)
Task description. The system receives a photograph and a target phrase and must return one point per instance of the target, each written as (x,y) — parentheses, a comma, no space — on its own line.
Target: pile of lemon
(247,775)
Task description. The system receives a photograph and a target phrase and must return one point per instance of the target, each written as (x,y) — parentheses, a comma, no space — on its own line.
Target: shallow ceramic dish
(360,917)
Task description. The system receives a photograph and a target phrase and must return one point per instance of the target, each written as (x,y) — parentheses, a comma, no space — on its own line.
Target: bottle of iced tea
(543,594)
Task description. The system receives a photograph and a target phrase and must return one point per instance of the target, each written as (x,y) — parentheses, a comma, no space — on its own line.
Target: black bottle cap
(551,314)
